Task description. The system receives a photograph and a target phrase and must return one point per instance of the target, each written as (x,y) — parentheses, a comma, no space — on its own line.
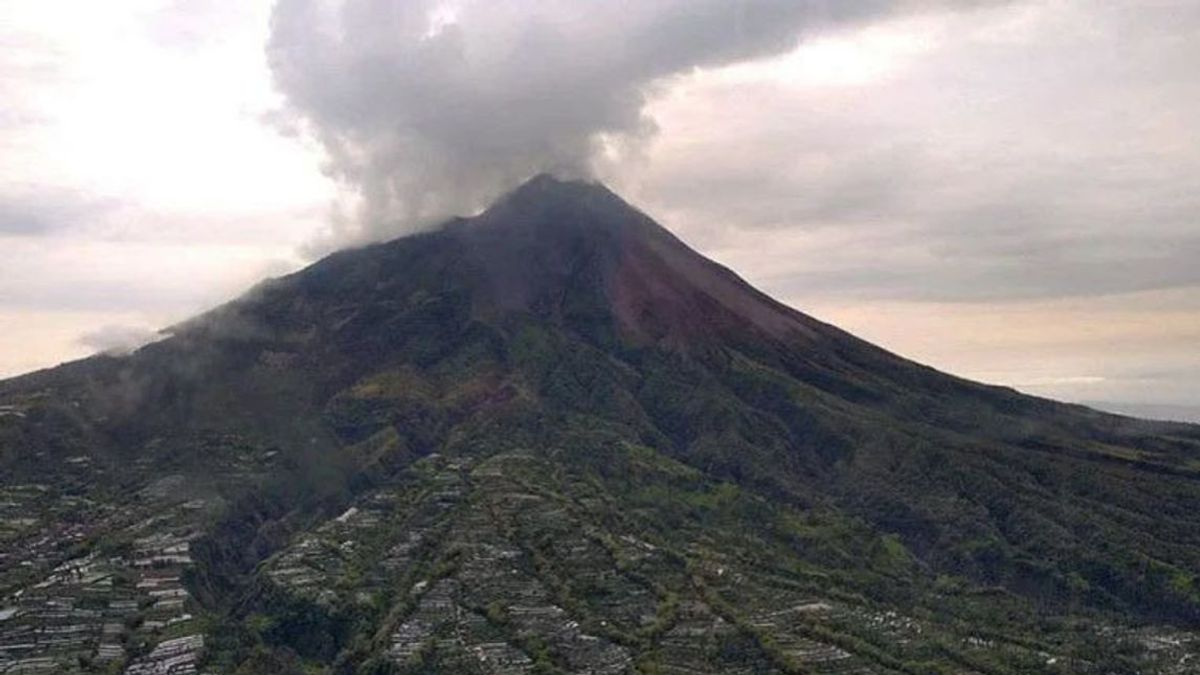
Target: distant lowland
(1154,411)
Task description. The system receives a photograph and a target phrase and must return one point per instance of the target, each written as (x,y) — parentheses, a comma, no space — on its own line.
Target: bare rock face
(550,240)
(553,438)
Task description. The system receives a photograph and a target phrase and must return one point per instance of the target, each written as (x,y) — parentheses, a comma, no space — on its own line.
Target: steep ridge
(553,437)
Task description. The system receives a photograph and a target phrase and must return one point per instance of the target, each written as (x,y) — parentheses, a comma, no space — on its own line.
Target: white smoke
(119,340)
(428,107)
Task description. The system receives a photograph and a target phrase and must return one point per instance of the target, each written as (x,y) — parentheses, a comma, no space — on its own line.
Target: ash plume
(426,108)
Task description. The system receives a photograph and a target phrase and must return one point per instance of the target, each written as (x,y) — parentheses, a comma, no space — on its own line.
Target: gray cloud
(1045,150)
(36,211)
(427,107)
(73,294)
(118,340)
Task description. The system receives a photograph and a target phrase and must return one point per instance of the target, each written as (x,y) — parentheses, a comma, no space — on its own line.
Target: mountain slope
(552,437)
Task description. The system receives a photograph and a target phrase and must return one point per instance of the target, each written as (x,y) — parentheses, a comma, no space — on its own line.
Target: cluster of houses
(74,604)
(177,656)
(481,613)
(787,615)
(496,572)
(785,626)
(40,526)
(474,613)
(1177,652)
(380,537)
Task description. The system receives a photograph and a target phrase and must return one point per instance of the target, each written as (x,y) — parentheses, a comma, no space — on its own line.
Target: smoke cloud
(428,107)
(118,340)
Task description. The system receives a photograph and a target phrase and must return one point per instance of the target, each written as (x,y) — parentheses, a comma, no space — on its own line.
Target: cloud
(426,107)
(36,211)
(194,24)
(1031,151)
(118,340)
(167,280)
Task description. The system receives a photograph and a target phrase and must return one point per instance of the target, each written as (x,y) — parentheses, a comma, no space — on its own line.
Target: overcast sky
(1005,190)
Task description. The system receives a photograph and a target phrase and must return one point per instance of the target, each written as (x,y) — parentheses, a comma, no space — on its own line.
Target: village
(498,574)
(469,565)
(105,594)
(494,596)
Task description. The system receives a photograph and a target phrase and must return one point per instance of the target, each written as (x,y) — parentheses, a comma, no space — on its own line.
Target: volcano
(553,438)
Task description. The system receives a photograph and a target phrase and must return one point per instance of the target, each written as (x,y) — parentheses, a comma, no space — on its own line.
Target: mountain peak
(555,246)
(546,180)
(556,202)
(546,184)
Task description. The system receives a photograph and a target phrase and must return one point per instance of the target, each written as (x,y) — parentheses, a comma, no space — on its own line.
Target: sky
(1006,190)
